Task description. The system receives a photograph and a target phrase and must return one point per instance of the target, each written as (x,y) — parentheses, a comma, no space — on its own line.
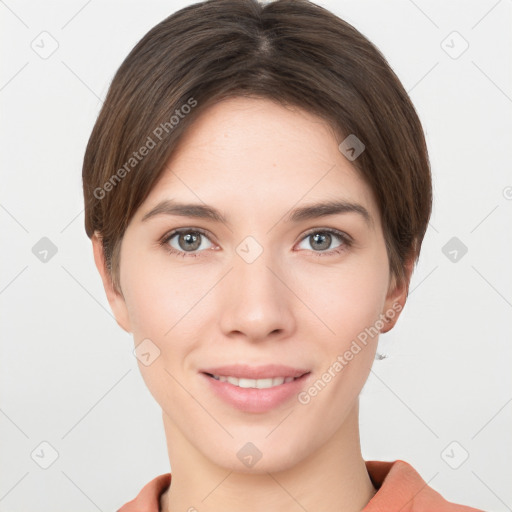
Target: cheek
(157,302)
(348,298)
(350,307)
(157,296)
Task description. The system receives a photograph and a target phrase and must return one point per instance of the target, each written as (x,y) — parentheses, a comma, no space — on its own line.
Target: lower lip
(253,399)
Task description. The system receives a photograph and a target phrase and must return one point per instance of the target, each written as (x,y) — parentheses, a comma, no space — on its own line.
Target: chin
(257,456)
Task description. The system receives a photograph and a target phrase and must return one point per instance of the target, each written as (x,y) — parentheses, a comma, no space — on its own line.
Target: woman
(257,189)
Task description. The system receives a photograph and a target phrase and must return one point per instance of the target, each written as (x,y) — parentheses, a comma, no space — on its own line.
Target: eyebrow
(328,208)
(198,211)
(313,211)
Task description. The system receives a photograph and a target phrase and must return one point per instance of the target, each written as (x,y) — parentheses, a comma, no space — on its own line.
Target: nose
(256,302)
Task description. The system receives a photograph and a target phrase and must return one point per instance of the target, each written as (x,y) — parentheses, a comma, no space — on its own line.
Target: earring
(380,356)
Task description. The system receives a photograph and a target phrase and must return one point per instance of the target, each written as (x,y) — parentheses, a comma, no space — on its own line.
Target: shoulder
(148,499)
(399,486)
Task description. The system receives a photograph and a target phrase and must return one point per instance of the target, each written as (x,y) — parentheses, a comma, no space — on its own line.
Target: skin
(297,304)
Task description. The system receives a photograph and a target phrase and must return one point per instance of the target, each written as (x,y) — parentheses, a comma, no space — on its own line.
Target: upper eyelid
(332,231)
(177,231)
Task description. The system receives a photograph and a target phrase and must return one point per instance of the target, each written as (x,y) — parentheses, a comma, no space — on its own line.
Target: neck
(332,478)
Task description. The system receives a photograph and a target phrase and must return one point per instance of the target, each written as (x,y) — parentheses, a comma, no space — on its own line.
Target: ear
(115,299)
(396,297)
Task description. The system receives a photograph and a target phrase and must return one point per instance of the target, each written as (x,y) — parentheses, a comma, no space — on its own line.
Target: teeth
(254,383)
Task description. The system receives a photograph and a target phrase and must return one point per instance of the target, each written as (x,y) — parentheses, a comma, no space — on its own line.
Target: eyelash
(344,238)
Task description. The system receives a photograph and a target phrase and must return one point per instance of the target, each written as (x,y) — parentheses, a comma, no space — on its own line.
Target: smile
(253,383)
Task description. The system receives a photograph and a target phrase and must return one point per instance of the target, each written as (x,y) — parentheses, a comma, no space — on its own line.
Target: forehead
(258,152)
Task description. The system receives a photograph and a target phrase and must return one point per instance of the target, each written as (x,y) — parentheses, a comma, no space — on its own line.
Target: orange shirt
(399,488)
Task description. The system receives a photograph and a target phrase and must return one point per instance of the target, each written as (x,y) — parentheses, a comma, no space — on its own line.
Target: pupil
(323,237)
(191,240)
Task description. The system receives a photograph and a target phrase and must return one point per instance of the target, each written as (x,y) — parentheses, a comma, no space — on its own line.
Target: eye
(185,242)
(321,239)
(191,241)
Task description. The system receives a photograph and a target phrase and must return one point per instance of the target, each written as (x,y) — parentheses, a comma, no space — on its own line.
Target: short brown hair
(290,51)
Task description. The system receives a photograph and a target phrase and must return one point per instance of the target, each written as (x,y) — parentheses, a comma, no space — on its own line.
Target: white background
(68,374)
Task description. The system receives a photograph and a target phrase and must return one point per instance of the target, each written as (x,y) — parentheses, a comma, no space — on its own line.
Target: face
(272,283)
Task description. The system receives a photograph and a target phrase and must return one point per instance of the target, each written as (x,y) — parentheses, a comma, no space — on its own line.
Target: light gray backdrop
(441,400)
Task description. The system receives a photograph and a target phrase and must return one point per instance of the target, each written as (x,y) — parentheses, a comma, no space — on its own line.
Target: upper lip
(243,371)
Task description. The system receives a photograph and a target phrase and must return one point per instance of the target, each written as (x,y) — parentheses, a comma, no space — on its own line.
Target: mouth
(255,389)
